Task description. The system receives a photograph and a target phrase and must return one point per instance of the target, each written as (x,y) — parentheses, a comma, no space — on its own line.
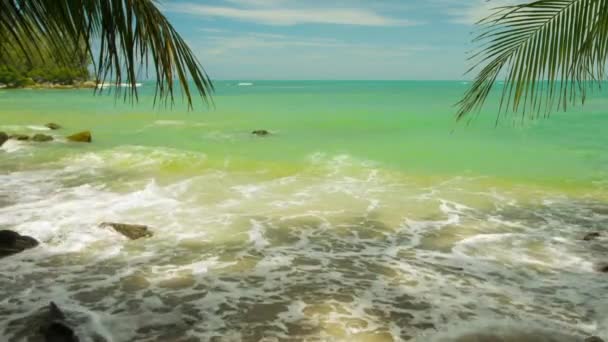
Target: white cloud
(470,12)
(277,12)
(227,43)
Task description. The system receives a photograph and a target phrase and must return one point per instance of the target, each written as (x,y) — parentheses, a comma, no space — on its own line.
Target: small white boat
(245,84)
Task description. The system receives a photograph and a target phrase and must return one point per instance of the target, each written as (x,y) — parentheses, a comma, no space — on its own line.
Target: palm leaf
(550,52)
(122,37)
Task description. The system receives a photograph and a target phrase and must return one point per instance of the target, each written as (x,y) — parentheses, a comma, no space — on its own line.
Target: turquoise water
(368,214)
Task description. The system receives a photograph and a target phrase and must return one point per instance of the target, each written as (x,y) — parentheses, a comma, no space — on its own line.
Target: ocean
(367,214)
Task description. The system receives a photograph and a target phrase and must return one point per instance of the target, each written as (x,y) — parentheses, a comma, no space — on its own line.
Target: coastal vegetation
(551,52)
(43,68)
(124,39)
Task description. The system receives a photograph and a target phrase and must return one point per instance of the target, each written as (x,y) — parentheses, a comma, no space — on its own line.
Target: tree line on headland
(46,67)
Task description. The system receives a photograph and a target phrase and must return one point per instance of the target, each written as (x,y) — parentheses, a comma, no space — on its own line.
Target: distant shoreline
(48,85)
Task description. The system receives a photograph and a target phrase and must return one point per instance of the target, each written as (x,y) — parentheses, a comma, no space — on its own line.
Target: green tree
(551,53)
(21,69)
(122,38)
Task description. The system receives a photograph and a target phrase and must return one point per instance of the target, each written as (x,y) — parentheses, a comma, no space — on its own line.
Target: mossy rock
(12,243)
(261,133)
(3,138)
(52,126)
(42,138)
(20,137)
(84,137)
(131,231)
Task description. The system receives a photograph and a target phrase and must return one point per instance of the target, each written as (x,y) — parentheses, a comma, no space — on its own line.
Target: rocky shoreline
(84,136)
(49,85)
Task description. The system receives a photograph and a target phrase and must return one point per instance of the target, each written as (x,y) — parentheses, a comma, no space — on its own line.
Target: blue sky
(340,39)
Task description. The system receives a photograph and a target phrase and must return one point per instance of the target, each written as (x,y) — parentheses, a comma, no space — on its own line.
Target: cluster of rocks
(53,326)
(12,242)
(84,136)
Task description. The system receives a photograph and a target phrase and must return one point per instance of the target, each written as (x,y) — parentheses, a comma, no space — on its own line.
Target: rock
(56,329)
(601,267)
(593,339)
(81,137)
(261,133)
(88,84)
(20,137)
(52,126)
(13,243)
(131,231)
(3,138)
(42,138)
(592,236)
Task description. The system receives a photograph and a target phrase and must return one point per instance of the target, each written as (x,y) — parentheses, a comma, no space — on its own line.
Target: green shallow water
(404,126)
(367,215)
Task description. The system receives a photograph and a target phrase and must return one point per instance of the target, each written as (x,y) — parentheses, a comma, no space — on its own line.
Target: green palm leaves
(123,39)
(550,52)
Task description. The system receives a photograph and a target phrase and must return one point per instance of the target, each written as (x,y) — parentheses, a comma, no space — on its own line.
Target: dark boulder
(55,329)
(42,138)
(13,243)
(601,267)
(20,137)
(81,137)
(592,236)
(131,231)
(261,133)
(52,126)
(3,138)
(593,339)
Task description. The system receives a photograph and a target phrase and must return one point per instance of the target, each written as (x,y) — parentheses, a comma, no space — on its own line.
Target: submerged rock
(260,132)
(42,138)
(3,138)
(601,267)
(592,236)
(131,231)
(52,126)
(12,243)
(55,329)
(81,137)
(593,339)
(20,137)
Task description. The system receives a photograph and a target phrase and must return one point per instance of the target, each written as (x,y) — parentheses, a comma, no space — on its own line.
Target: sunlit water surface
(367,215)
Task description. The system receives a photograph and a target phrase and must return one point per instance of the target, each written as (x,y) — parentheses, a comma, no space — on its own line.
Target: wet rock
(42,138)
(81,137)
(593,339)
(20,137)
(88,84)
(261,133)
(592,236)
(131,231)
(55,329)
(12,243)
(52,126)
(3,138)
(601,267)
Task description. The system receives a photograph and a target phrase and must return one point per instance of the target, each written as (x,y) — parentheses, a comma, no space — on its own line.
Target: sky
(325,39)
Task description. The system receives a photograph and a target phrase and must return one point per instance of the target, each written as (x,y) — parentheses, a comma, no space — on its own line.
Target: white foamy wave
(169,122)
(38,128)
(12,146)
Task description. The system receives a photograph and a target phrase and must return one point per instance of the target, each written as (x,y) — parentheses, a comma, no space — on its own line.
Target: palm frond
(549,51)
(122,38)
